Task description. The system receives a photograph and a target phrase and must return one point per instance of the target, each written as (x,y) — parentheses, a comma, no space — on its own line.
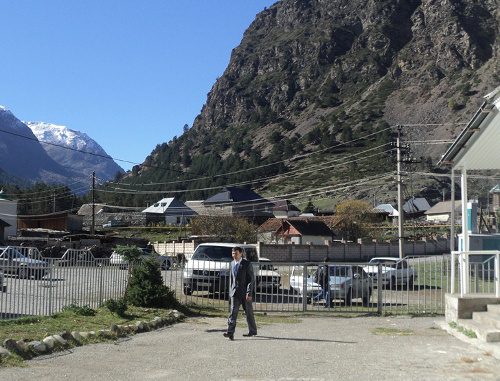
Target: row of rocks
(51,343)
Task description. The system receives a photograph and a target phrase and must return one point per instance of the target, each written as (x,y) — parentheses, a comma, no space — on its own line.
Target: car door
(360,282)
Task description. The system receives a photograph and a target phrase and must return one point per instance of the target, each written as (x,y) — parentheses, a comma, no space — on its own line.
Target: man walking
(324,281)
(240,293)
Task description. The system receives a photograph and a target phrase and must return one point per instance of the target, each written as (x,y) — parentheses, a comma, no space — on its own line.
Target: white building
(8,217)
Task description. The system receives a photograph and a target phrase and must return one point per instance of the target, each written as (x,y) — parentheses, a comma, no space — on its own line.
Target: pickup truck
(395,271)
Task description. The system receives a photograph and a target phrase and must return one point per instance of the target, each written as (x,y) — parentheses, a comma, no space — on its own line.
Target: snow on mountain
(84,153)
(64,136)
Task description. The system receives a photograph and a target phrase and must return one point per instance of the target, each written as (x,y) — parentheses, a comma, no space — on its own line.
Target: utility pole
(400,195)
(92,228)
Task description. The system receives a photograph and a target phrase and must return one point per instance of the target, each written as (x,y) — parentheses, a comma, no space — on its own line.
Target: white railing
(467,270)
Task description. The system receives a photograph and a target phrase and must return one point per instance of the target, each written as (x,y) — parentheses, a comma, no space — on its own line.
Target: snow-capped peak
(62,135)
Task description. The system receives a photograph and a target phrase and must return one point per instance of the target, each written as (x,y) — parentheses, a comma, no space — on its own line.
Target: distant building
(171,211)
(416,207)
(8,216)
(441,212)
(231,201)
(303,231)
(285,209)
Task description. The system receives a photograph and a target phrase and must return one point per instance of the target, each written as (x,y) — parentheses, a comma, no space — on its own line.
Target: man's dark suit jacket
(241,285)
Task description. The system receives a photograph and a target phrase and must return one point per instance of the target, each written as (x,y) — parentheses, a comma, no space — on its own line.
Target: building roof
(415,205)
(170,207)
(232,194)
(476,148)
(386,209)
(308,227)
(284,206)
(444,207)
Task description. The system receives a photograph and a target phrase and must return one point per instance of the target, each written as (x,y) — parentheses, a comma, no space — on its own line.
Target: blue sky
(129,73)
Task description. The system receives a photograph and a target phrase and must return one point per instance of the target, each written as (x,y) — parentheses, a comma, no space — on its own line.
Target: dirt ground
(316,348)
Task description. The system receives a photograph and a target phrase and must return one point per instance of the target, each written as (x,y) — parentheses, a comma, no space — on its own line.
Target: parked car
(3,286)
(395,271)
(347,282)
(15,263)
(266,276)
(208,268)
(297,281)
(163,261)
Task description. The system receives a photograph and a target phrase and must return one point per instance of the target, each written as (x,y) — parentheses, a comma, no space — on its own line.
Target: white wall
(8,213)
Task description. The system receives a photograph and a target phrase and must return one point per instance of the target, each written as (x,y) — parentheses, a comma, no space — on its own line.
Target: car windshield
(12,253)
(214,253)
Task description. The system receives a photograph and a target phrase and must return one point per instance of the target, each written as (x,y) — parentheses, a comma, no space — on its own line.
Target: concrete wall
(337,251)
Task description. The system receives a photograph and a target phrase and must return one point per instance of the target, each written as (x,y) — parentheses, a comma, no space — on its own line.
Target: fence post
(304,289)
(379,289)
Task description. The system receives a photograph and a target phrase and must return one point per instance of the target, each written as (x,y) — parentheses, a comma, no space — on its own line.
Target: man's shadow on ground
(285,338)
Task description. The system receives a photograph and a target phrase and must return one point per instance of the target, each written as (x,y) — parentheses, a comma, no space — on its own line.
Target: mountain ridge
(24,159)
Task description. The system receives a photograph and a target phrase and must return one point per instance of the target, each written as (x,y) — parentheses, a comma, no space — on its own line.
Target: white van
(208,269)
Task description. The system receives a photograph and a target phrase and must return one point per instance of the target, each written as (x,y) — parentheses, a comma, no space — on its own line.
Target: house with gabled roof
(416,207)
(441,212)
(231,201)
(303,231)
(171,211)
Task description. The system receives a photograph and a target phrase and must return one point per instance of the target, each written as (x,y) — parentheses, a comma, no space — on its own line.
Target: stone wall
(132,219)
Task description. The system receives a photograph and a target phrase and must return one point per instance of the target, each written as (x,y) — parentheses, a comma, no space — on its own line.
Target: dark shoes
(249,334)
(229,335)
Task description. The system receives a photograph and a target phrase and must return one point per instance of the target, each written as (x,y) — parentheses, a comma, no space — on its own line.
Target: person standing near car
(240,293)
(324,282)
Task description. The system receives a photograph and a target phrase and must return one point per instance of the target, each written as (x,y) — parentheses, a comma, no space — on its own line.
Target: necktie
(236,268)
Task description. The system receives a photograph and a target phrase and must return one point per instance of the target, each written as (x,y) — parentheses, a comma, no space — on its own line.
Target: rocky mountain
(310,100)
(75,142)
(23,159)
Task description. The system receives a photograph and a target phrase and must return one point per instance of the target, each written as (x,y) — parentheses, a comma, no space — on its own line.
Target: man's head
(237,253)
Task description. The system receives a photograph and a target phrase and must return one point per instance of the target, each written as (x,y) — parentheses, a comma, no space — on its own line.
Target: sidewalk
(316,348)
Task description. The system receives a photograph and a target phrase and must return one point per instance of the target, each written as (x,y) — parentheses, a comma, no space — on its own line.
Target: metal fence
(80,279)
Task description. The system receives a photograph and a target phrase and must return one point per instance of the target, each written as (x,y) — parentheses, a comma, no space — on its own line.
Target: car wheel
(38,274)
(394,285)
(366,298)
(348,297)
(23,273)
(410,283)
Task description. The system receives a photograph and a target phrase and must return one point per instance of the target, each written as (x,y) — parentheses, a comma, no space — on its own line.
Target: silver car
(15,263)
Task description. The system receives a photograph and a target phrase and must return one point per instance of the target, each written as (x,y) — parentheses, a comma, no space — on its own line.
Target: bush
(84,311)
(147,288)
(118,307)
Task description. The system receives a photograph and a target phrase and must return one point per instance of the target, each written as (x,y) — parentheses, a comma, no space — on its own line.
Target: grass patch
(465,331)
(392,331)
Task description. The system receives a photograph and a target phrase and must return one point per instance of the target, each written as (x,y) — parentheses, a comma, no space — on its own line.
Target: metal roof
(477,146)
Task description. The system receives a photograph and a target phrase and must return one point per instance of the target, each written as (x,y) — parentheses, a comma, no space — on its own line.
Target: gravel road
(316,348)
